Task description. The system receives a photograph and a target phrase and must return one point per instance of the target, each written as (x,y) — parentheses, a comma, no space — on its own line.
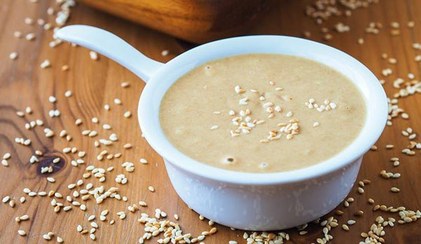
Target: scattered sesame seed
(117,101)
(4,162)
(17,34)
(214,127)
(65,67)
(7,156)
(6,199)
(52,99)
(389,146)
(68,93)
(95,120)
(28,110)
(351,222)
(345,227)
(164,53)
(93,55)
(127,114)
(13,55)
(22,232)
(30,37)
(395,189)
(45,64)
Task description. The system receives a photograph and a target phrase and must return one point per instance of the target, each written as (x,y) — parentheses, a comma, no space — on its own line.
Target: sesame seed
(117,101)
(93,55)
(151,188)
(13,55)
(7,156)
(351,222)
(68,93)
(30,36)
(24,217)
(395,189)
(127,114)
(45,64)
(17,34)
(243,101)
(78,122)
(64,67)
(12,203)
(125,84)
(52,99)
(346,204)
(79,228)
(46,237)
(214,127)
(28,21)
(6,199)
(4,162)
(238,89)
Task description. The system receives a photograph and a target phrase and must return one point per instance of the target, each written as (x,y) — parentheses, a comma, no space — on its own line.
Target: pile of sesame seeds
(322,10)
(81,191)
(244,122)
(326,106)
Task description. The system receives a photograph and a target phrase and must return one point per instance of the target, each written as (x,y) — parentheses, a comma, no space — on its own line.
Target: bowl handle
(111,46)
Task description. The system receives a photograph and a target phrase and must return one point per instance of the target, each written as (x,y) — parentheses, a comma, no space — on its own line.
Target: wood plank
(95,83)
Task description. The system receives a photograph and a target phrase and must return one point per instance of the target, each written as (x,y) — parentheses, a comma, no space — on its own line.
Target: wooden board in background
(95,83)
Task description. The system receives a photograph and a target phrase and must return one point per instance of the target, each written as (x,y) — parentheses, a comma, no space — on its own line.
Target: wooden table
(95,83)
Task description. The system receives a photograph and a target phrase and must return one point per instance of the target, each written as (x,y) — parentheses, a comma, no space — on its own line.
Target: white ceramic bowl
(250,201)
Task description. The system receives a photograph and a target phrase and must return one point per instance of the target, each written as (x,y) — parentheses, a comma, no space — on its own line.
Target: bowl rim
(368,84)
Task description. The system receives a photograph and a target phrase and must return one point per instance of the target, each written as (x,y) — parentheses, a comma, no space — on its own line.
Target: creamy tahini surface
(262,113)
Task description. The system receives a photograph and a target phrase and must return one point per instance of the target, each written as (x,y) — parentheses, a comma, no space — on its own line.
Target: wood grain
(95,83)
(195,21)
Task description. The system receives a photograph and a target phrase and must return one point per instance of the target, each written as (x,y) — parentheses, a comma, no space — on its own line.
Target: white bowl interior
(368,84)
